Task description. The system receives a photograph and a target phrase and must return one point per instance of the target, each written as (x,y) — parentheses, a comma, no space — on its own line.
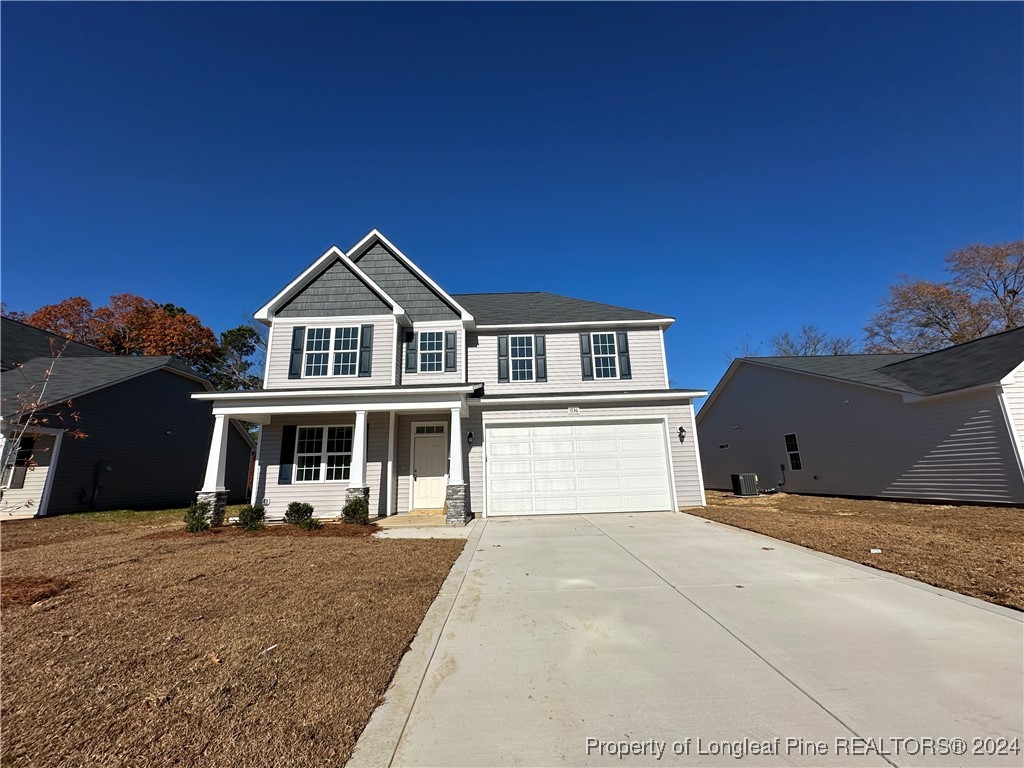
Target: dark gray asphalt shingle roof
(20,343)
(982,361)
(542,307)
(74,376)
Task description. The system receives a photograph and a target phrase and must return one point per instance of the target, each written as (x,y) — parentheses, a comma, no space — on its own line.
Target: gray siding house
(380,384)
(944,426)
(145,438)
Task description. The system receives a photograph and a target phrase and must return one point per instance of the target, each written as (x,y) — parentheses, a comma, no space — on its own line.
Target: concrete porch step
(411,521)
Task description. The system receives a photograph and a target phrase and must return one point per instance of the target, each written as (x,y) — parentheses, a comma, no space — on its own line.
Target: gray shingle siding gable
(335,292)
(402,285)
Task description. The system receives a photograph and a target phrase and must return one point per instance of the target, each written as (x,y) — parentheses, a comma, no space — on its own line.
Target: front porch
(403,451)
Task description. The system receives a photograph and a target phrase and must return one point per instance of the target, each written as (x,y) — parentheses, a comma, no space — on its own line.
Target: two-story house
(380,383)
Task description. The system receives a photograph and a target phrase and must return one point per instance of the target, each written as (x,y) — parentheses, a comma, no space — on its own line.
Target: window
(346,350)
(318,342)
(430,429)
(603,346)
(521,356)
(793,449)
(431,351)
(318,348)
(322,453)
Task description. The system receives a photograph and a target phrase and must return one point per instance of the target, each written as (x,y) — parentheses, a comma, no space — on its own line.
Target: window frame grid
(612,358)
(426,356)
(794,452)
(323,467)
(330,352)
(530,359)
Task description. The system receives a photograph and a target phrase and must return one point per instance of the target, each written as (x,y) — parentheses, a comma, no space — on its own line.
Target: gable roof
(19,343)
(330,257)
(542,308)
(76,376)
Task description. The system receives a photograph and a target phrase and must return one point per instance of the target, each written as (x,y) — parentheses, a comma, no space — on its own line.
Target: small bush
(197,517)
(250,517)
(299,513)
(308,524)
(356,511)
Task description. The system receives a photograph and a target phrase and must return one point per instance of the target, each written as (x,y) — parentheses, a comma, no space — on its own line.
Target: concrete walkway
(572,640)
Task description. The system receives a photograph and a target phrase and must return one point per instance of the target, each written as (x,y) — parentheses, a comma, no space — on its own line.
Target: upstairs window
(331,350)
(793,449)
(521,357)
(605,355)
(431,351)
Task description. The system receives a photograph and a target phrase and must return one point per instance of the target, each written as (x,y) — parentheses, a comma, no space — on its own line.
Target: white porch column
(357,475)
(455,451)
(218,458)
(390,507)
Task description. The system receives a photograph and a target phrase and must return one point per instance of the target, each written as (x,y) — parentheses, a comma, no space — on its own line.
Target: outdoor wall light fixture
(682,434)
(469,437)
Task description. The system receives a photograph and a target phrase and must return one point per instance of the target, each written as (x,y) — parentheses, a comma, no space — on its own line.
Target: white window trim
(532,358)
(323,454)
(614,355)
(331,351)
(419,351)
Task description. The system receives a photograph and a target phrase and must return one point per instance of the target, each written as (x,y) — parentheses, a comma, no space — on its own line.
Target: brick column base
(217,500)
(455,511)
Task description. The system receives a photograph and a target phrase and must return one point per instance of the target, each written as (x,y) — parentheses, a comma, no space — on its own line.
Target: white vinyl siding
(25,501)
(858,441)
(327,498)
(383,360)
(562,351)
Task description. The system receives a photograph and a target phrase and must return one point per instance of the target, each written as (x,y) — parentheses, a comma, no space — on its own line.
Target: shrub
(250,517)
(308,524)
(356,511)
(299,513)
(197,517)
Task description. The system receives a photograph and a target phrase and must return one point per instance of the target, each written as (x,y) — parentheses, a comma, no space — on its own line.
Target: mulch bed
(216,649)
(977,551)
(326,530)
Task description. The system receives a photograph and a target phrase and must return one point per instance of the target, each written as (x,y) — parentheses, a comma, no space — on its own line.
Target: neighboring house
(380,384)
(944,426)
(146,439)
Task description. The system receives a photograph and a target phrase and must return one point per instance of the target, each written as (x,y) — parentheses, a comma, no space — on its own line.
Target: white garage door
(548,469)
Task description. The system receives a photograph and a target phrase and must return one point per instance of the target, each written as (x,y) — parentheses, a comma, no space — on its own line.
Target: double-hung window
(331,350)
(605,355)
(521,356)
(431,351)
(322,453)
(793,449)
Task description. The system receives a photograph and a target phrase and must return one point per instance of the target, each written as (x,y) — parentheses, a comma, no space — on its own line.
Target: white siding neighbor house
(381,384)
(943,426)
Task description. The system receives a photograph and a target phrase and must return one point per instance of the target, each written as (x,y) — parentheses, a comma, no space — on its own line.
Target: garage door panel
(600,467)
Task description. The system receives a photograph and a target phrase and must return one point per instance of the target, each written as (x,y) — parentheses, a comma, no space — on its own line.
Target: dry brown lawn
(127,643)
(977,551)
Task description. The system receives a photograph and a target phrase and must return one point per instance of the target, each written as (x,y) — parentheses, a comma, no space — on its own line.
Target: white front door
(429,466)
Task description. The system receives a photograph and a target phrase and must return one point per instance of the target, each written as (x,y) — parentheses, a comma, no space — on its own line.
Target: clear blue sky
(744,168)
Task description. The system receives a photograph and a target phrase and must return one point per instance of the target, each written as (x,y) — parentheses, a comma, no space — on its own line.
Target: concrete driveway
(665,639)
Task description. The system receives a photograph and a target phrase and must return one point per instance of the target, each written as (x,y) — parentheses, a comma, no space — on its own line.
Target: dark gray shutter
(450,347)
(586,359)
(298,342)
(365,350)
(503,358)
(622,344)
(287,460)
(410,354)
(539,352)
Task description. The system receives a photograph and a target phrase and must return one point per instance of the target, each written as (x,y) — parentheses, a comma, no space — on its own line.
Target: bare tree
(985,294)
(811,340)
